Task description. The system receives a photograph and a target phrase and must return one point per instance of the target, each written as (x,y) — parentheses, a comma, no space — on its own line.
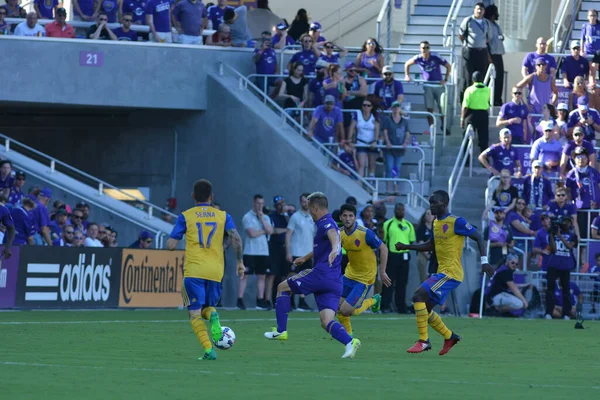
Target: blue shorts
(198,293)
(439,287)
(355,292)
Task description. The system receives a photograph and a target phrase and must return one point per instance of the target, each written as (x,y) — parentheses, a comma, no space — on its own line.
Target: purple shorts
(327,290)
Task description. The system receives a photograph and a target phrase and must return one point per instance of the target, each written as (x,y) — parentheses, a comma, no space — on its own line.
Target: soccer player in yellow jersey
(360,244)
(204,227)
(448,239)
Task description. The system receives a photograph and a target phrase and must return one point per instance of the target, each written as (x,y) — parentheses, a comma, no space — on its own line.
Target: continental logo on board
(151,278)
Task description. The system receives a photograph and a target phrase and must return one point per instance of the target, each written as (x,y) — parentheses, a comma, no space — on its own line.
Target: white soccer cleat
(351,348)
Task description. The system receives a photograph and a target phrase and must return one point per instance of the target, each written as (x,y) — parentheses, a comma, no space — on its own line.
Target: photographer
(561,260)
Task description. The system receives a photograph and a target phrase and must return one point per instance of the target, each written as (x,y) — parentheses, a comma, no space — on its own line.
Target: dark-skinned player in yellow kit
(449,232)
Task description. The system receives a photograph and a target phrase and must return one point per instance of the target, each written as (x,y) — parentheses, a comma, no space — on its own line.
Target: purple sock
(337,331)
(283,306)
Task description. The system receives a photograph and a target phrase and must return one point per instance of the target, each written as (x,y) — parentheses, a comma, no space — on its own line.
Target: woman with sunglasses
(548,115)
(370,59)
(356,91)
(500,236)
(566,162)
(519,223)
(294,88)
(364,131)
(307,56)
(333,85)
(579,91)
(330,56)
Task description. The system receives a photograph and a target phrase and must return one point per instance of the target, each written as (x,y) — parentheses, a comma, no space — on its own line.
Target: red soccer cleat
(420,346)
(449,343)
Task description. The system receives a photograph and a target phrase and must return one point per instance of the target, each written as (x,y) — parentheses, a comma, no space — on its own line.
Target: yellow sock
(345,321)
(436,323)
(199,328)
(366,304)
(422,314)
(207,311)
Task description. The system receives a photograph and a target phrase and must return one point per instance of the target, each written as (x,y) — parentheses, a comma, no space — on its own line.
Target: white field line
(295,375)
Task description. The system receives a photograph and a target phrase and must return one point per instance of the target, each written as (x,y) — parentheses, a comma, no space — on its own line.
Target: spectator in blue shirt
(66,238)
(281,38)
(547,149)
(59,223)
(7,222)
(41,216)
(16,192)
(144,241)
(24,229)
(389,90)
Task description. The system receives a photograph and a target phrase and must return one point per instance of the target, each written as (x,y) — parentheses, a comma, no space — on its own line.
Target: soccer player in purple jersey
(324,280)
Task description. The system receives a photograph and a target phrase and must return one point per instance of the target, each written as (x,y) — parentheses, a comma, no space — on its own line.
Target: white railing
(384,27)
(490,81)
(563,23)
(450,38)
(465,152)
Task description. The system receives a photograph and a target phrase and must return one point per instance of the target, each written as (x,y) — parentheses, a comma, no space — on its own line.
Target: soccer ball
(227,340)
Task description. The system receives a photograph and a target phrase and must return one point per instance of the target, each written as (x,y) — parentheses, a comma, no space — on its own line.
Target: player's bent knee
(420,296)
(283,287)
(346,309)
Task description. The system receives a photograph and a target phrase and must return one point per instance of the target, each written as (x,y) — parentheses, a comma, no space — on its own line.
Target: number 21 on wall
(201,227)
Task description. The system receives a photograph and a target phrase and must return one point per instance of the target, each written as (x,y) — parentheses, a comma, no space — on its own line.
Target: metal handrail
(245,83)
(394,180)
(561,22)
(466,150)
(451,18)
(386,8)
(490,80)
(53,162)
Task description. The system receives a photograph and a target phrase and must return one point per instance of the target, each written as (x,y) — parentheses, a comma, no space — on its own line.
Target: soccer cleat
(377,305)
(351,348)
(420,346)
(548,316)
(274,335)
(209,355)
(260,305)
(449,343)
(240,304)
(215,326)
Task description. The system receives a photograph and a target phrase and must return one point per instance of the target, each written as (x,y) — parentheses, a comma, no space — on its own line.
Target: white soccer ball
(227,340)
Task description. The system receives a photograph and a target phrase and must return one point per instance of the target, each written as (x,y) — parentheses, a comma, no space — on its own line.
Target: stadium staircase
(581,18)
(72,185)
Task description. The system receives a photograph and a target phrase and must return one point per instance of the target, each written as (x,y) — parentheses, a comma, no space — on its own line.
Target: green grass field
(153,355)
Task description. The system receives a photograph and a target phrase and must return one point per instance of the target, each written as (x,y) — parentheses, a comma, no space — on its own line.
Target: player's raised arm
(177,233)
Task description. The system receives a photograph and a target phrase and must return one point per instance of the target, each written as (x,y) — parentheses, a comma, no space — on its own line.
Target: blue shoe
(209,355)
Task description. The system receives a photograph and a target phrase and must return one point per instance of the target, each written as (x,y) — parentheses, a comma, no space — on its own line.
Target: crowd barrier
(85,278)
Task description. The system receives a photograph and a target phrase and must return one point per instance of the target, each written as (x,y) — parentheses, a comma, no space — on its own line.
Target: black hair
(479,4)
(348,207)
(398,205)
(258,196)
(442,195)
(424,42)
(264,4)
(491,11)
(202,190)
(228,15)
(378,48)
(266,33)
(305,194)
(5,162)
(301,15)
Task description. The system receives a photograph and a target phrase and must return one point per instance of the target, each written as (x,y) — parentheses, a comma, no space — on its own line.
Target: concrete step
(418,38)
(439,3)
(428,19)
(440,11)
(588,5)
(478,172)
(424,30)
(476,182)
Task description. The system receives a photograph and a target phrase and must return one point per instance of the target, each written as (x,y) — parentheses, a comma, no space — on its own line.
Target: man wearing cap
(327,123)
(280,268)
(584,184)
(41,216)
(574,65)
(513,116)
(281,38)
(504,294)
(503,156)
(537,190)
(316,92)
(265,60)
(530,60)
(190,19)
(430,68)
(475,34)
(59,27)
(388,90)
(566,162)
(16,192)
(586,118)
(144,241)
(475,105)
(542,87)
(59,223)
(315,32)
(547,149)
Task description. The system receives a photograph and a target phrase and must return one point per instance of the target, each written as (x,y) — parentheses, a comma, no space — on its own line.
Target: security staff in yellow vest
(475,106)
(397,230)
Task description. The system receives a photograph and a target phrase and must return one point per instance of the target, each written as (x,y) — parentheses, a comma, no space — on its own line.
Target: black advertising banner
(66,277)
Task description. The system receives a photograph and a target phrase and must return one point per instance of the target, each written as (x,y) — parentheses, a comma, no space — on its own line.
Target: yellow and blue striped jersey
(360,246)
(204,227)
(449,238)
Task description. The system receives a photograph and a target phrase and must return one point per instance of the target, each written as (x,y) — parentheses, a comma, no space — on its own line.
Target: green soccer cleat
(351,348)
(274,335)
(209,355)
(215,327)
(377,305)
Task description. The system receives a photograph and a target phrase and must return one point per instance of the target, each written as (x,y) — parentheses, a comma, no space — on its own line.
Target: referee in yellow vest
(397,230)
(475,109)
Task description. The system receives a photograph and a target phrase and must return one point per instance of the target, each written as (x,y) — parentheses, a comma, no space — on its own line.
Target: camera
(555,224)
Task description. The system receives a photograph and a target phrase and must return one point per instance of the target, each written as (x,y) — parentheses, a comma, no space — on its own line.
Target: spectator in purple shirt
(216,13)
(124,32)
(84,10)
(76,220)
(137,8)
(595,234)
(41,216)
(4,27)
(85,209)
(110,7)
(348,157)
(7,222)
(562,206)
(503,156)
(519,223)
(327,123)
(158,18)
(388,90)
(67,238)
(566,162)
(513,116)
(45,8)
(6,178)
(590,34)
(14,10)
(537,190)
(144,241)
(370,60)
(574,65)
(316,92)
(24,228)
(547,149)
(530,59)
(588,119)
(16,192)
(330,56)
(584,183)
(281,38)
(315,32)
(265,60)
(59,223)
(190,20)
(307,56)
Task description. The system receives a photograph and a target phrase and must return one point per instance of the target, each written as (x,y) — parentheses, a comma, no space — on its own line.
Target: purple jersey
(529,62)
(277,38)
(15,196)
(574,68)
(546,151)
(540,93)
(541,241)
(316,88)
(567,209)
(596,223)
(8,182)
(571,145)
(574,292)
(503,158)
(388,92)
(326,123)
(514,110)
(365,62)
(334,58)
(322,248)
(590,37)
(215,14)
(584,186)
(110,7)
(87,7)
(347,159)
(267,63)
(23,225)
(190,16)
(6,220)
(430,67)
(562,258)
(515,216)
(159,9)
(46,8)
(137,8)
(40,216)
(129,36)
(576,118)
(306,58)
(537,191)
(334,91)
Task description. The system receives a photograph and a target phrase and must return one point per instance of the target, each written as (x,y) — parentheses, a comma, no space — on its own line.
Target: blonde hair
(499,188)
